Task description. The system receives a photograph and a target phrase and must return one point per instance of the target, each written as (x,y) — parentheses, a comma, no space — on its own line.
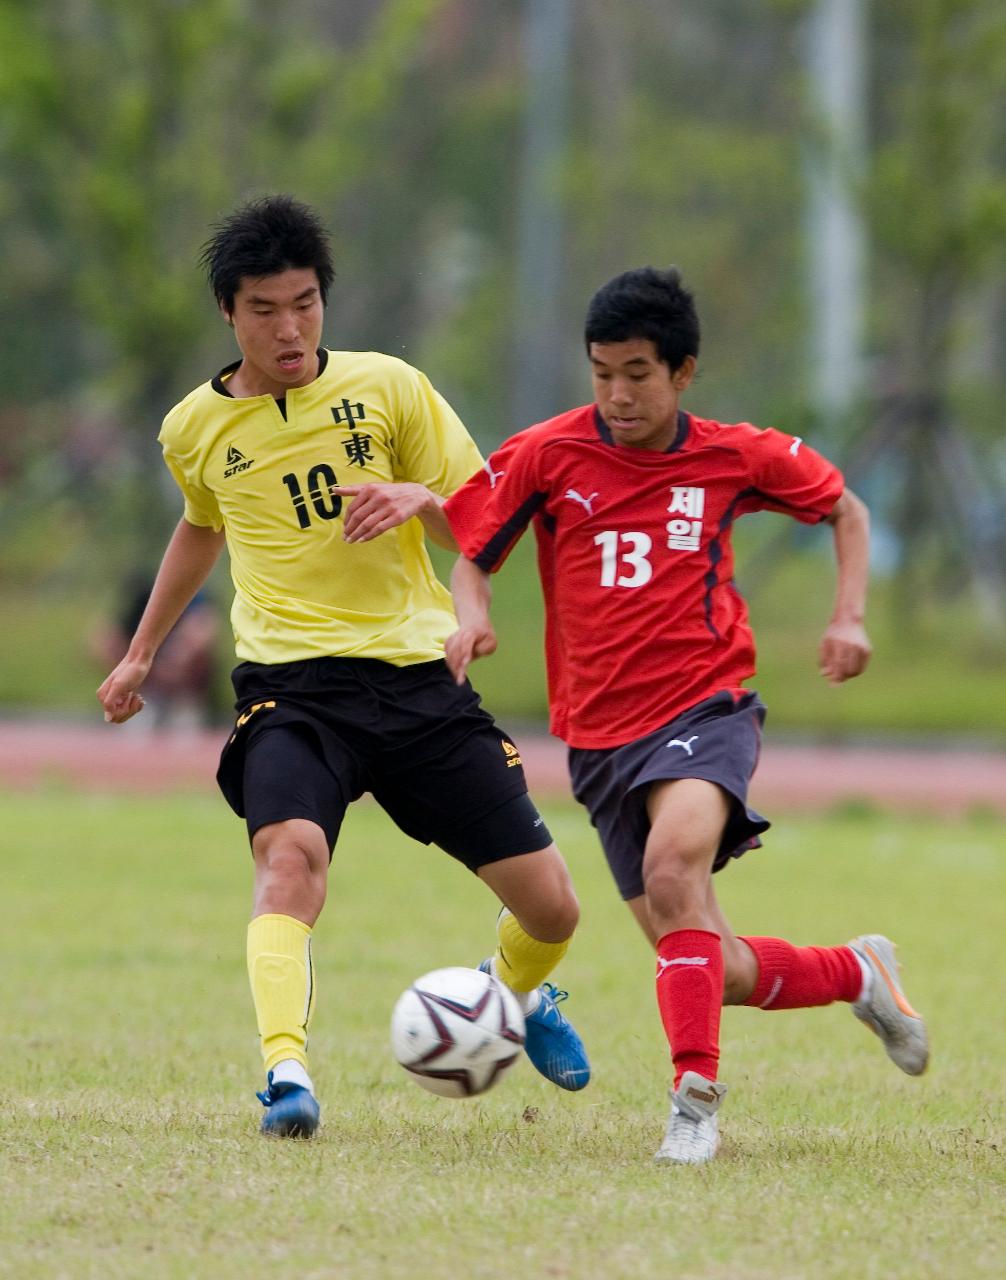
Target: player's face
(637,393)
(277,322)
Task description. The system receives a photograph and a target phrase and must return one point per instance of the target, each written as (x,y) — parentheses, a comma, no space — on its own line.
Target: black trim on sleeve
(509,532)
(781,502)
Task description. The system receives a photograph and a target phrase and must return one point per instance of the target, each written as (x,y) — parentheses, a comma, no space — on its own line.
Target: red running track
(795,778)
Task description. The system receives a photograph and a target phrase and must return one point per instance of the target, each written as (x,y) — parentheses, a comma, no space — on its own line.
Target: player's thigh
(288,777)
(688,817)
(462,787)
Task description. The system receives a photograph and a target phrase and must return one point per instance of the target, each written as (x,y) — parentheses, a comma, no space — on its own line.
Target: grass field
(128,1142)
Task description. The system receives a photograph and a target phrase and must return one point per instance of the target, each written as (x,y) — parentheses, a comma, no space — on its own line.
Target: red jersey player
(648,647)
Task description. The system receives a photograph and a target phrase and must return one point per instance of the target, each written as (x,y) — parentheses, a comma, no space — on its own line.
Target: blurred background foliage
(485,165)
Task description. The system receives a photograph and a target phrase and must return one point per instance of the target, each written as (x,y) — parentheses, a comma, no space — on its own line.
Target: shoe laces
(554,994)
(690,1132)
(268,1095)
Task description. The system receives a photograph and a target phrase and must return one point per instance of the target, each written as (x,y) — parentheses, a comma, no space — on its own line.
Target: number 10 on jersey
(319,483)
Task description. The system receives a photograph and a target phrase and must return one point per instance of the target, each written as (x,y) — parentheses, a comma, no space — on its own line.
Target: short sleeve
(489,513)
(433,448)
(789,476)
(201,506)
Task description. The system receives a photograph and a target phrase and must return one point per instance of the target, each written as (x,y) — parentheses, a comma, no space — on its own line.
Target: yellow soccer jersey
(300,590)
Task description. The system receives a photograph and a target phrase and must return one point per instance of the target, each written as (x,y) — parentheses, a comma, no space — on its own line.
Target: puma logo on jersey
(686,744)
(586,503)
(487,467)
(794,448)
(236,461)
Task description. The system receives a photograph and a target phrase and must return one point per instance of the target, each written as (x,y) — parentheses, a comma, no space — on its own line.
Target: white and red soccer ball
(457,1031)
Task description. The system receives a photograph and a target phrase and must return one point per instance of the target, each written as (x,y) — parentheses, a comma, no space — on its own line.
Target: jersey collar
(219,384)
(680,435)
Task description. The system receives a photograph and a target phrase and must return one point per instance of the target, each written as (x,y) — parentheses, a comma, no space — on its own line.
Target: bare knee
(675,892)
(563,918)
(537,888)
(554,916)
(291,870)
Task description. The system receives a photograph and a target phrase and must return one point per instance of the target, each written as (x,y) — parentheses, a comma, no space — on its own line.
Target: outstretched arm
(375,508)
(475,637)
(191,554)
(845,647)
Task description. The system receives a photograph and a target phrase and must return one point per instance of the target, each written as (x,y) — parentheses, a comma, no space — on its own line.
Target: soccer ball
(457,1031)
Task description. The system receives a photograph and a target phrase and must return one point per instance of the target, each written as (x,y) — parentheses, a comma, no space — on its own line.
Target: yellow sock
(282,983)
(521,961)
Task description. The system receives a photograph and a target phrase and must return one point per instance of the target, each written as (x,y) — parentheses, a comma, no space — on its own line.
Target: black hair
(646,303)
(263,238)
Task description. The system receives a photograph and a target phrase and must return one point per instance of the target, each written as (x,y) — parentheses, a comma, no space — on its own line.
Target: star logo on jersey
(512,754)
(586,502)
(236,461)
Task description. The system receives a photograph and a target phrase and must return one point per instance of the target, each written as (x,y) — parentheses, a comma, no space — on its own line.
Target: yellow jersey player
(324,472)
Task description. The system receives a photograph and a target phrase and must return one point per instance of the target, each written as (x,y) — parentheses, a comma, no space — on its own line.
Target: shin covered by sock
(690,997)
(522,962)
(282,982)
(792,977)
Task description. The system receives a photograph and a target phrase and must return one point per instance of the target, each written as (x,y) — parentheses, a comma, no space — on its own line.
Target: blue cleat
(551,1040)
(291,1111)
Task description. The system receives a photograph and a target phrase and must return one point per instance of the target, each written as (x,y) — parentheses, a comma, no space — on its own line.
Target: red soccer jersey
(642,618)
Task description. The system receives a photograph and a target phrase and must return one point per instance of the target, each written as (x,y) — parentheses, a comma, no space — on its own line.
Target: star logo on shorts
(245,716)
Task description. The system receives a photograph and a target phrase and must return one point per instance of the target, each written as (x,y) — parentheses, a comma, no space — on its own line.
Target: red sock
(802,977)
(690,997)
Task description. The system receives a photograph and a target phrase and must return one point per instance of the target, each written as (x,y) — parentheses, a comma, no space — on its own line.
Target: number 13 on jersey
(624,560)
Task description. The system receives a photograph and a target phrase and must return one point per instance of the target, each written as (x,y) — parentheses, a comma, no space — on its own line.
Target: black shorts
(717,740)
(313,736)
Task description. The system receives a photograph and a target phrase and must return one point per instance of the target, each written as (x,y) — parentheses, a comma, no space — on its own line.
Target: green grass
(128,1142)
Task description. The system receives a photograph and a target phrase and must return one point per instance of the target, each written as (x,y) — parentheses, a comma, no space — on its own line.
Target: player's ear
(227,315)
(684,373)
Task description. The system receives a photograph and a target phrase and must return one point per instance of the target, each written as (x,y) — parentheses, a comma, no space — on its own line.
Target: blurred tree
(127,130)
(936,199)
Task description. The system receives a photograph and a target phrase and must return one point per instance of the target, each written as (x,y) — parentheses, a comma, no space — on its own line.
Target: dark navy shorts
(717,740)
(313,736)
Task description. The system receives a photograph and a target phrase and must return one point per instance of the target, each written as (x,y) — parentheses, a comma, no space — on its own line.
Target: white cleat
(693,1135)
(886,1011)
